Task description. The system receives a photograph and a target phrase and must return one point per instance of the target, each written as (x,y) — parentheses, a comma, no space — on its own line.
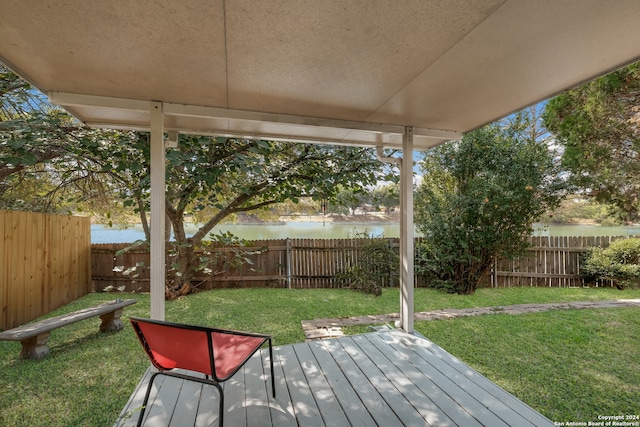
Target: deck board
(281,408)
(326,400)
(408,385)
(436,371)
(207,414)
(370,399)
(186,407)
(390,387)
(384,378)
(344,391)
(512,410)
(304,404)
(455,413)
(257,394)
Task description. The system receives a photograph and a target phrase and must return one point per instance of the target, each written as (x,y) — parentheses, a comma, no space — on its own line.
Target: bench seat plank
(34,336)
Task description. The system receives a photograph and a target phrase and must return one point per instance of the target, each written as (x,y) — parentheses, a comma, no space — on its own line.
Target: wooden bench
(34,336)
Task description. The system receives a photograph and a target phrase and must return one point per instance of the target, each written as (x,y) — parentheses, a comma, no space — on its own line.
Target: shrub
(376,267)
(619,262)
(477,200)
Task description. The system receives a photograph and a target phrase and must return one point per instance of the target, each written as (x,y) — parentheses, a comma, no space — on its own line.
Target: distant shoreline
(376,217)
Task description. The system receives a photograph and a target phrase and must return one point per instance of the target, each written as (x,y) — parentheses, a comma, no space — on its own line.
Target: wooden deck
(384,378)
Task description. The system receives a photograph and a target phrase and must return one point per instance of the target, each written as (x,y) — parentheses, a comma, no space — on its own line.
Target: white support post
(157,266)
(406,232)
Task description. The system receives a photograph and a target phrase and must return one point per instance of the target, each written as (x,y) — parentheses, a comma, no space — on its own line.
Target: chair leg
(146,398)
(273,378)
(221,409)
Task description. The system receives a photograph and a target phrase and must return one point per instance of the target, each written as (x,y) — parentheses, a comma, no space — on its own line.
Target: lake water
(312,230)
(330,230)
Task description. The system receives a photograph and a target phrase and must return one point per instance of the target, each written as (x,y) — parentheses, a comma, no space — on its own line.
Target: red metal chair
(216,353)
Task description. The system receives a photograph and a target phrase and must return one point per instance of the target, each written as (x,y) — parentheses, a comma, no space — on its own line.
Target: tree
(224,177)
(598,124)
(387,195)
(28,129)
(349,199)
(478,199)
(42,161)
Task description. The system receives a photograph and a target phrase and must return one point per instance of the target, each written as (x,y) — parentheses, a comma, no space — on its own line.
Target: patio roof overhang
(408,74)
(291,69)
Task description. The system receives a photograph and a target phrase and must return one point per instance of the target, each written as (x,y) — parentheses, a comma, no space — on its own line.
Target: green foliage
(43,161)
(347,200)
(387,196)
(598,124)
(575,209)
(619,262)
(211,261)
(478,198)
(305,206)
(377,266)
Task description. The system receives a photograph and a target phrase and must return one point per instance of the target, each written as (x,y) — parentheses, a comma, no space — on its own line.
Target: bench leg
(35,347)
(111,321)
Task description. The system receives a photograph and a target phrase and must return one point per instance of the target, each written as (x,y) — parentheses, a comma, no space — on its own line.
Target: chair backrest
(215,352)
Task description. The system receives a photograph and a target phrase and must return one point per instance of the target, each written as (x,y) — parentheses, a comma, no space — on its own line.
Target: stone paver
(330,328)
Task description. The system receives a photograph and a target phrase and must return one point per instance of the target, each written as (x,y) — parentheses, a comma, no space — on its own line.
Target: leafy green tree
(478,199)
(42,161)
(598,124)
(387,195)
(29,131)
(225,177)
(350,198)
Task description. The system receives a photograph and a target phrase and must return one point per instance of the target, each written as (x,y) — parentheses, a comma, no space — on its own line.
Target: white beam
(286,119)
(157,264)
(66,99)
(194,119)
(406,232)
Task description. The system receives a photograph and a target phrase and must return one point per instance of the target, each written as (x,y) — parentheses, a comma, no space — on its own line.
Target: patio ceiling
(343,71)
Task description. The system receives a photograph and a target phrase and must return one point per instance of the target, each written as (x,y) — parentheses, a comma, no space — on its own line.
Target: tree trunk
(183,259)
(182,270)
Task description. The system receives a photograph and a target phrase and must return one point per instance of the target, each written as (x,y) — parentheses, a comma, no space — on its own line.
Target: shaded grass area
(88,376)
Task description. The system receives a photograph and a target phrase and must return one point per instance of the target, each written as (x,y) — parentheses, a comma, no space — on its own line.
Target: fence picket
(45,262)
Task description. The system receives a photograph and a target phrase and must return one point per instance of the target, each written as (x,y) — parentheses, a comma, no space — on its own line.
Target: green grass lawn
(569,365)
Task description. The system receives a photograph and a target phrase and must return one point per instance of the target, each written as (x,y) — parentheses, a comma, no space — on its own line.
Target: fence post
(288,263)
(494,273)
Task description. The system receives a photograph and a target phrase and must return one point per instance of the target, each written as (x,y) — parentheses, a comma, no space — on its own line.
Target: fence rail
(314,263)
(45,262)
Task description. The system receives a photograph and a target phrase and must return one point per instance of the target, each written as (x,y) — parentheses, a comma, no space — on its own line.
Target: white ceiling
(345,71)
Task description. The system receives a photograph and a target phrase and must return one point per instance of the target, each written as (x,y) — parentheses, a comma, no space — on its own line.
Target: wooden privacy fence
(549,261)
(295,263)
(314,263)
(45,262)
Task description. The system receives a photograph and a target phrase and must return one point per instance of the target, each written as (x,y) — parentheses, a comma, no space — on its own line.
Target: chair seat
(216,353)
